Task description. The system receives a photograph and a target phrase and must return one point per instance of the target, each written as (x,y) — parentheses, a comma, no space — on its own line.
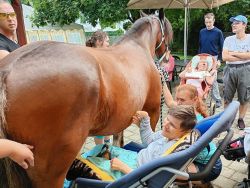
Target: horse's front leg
(154,117)
(118,139)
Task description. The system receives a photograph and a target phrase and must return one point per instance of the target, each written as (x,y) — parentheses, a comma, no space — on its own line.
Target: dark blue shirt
(211,42)
(7,44)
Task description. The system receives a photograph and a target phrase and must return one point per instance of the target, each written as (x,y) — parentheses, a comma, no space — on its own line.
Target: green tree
(108,12)
(64,12)
(196,22)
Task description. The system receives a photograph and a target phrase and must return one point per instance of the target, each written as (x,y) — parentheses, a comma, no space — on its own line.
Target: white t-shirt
(231,43)
(197,74)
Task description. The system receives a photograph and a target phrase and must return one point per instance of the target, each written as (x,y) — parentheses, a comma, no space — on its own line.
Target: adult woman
(99,39)
(188,95)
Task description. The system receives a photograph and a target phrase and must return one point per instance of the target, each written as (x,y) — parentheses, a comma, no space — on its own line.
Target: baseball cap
(239,18)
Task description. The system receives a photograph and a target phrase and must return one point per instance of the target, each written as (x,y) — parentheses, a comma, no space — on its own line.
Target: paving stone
(223,182)
(238,177)
(225,162)
(227,172)
(239,167)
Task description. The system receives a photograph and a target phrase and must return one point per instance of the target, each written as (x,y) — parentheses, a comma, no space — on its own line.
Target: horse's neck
(146,40)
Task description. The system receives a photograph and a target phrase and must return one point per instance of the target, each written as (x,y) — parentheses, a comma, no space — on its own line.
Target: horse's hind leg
(54,167)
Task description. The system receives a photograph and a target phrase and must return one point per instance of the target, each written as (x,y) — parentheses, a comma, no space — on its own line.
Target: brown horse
(53,95)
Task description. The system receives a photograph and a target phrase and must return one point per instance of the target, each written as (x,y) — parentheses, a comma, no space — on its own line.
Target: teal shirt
(199,117)
(204,156)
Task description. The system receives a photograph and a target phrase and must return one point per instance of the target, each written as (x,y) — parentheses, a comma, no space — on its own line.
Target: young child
(198,71)
(20,153)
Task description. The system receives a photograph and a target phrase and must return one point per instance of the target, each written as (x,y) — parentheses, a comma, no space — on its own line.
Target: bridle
(161,69)
(163,41)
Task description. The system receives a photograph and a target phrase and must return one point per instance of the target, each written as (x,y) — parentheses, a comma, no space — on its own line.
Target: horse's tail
(11,174)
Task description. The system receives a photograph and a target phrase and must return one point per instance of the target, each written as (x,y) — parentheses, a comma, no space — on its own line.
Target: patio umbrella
(177,4)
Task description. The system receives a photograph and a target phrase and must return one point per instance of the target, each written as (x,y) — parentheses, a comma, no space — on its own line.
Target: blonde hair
(199,106)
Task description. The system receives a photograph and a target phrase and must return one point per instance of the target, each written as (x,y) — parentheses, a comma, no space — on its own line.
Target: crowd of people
(187,105)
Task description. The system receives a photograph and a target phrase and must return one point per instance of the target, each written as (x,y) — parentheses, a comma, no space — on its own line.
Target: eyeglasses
(6,15)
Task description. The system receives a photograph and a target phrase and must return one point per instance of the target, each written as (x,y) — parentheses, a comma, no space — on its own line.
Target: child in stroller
(239,149)
(200,72)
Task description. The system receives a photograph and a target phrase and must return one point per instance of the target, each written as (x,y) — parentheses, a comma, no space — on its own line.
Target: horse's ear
(161,14)
(143,14)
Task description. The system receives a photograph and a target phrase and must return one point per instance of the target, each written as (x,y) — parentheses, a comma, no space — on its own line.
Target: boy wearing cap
(236,53)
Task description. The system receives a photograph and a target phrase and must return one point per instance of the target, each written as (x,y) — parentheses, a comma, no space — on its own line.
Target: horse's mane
(140,25)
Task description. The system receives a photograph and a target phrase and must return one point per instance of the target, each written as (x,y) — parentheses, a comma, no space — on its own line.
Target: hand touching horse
(53,95)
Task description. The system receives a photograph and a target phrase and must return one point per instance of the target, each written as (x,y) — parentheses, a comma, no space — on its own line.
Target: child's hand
(139,115)
(116,164)
(22,155)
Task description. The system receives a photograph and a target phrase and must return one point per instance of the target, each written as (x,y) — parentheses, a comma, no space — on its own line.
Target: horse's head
(153,32)
(164,36)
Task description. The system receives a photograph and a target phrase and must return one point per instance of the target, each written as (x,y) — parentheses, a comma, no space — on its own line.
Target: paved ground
(232,172)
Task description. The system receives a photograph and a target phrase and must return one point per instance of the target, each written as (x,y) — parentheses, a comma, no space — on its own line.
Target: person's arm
(20,153)
(221,42)
(168,98)
(147,134)
(227,56)
(241,55)
(142,119)
(233,55)
(117,164)
(3,53)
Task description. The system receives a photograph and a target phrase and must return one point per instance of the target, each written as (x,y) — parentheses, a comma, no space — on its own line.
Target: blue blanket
(126,156)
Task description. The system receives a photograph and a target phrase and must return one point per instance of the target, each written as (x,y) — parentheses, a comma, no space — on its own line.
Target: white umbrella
(177,4)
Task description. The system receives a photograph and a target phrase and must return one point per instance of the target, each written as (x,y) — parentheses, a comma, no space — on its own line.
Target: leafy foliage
(196,22)
(64,12)
(108,12)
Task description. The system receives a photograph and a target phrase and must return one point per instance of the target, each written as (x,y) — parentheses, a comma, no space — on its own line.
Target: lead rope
(166,78)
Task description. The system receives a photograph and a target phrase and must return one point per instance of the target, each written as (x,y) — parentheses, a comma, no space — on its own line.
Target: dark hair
(97,35)
(186,114)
